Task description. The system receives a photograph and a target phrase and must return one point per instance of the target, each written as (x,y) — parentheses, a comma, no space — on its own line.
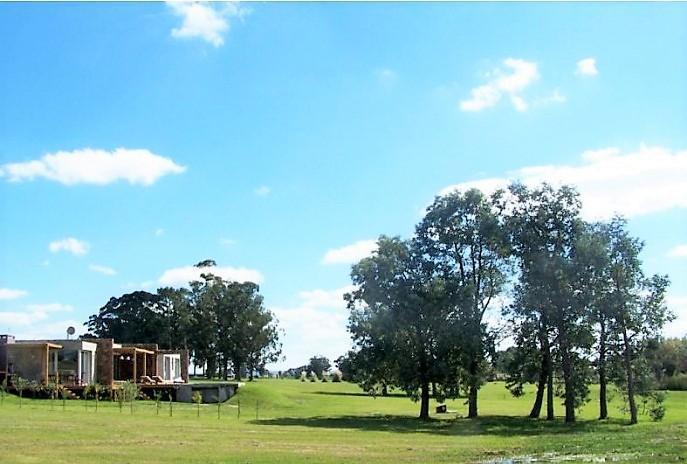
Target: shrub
(313,376)
(303,376)
(675,382)
(337,376)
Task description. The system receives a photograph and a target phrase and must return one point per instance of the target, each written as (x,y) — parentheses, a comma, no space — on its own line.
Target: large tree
(637,306)
(462,234)
(551,295)
(402,321)
(135,317)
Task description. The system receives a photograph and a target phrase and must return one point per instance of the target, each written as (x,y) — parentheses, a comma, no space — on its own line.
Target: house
(88,361)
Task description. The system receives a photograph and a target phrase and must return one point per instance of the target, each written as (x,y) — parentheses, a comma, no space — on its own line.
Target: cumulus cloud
(102,270)
(511,82)
(184,275)
(69,244)
(315,325)
(350,254)
(205,21)
(586,67)
(678,305)
(12,294)
(643,181)
(32,314)
(53,330)
(262,191)
(94,166)
(679,251)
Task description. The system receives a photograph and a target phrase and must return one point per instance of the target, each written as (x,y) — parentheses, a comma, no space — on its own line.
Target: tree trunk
(630,377)
(568,384)
(541,386)
(472,402)
(549,394)
(424,401)
(237,369)
(603,381)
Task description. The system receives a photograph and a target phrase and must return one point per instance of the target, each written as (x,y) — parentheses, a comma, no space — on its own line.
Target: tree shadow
(366,395)
(486,425)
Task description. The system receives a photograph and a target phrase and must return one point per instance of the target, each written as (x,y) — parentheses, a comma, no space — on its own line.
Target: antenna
(70,331)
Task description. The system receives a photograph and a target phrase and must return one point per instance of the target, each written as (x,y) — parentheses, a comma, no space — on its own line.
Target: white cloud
(350,254)
(71,245)
(94,166)
(679,251)
(204,20)
(102,270)
(32,314)
(518,75)
(678,305)
(262,191)
(54,330)
(184,275)
(332,299)
(11,294)
(159,232)
(644,181)
(553,98)
(316,325)
(586,67)
(148,284)
(227,242)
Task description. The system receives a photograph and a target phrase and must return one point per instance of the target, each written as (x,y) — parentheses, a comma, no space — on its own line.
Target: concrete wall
(210,393)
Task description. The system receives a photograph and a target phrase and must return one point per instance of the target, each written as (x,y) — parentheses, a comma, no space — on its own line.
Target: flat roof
(132,349)
(34,344)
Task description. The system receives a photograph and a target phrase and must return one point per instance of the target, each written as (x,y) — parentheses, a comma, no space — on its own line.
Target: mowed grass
(329,422)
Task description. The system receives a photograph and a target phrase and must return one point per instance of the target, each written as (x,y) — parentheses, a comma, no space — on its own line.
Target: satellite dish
(70,331)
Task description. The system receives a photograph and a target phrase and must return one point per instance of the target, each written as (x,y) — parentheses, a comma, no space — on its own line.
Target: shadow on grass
(486,425)
(366,395)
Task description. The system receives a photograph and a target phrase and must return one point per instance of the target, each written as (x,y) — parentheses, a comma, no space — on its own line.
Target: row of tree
(223,324)
(580,308)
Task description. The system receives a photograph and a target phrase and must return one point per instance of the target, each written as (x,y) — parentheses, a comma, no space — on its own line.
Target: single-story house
(87,361)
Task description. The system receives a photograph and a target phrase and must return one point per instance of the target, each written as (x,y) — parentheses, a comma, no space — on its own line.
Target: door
(86,367)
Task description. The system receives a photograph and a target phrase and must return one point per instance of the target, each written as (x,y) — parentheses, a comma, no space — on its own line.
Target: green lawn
(327,422)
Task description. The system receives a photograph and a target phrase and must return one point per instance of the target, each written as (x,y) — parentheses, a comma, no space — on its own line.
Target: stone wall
(28,362)
(104,369)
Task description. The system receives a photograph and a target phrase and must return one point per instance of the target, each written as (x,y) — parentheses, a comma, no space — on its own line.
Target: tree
(551,294)
(401,320)
(638,308)
(319,365)
(132,318)
(177,315)
(464,238)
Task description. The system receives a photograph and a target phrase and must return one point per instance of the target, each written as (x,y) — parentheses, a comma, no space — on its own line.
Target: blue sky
(282,139)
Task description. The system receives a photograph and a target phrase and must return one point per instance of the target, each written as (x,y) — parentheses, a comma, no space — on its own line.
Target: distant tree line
(223,324)
(579,308)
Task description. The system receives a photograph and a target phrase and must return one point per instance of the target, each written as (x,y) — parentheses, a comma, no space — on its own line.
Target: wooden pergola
(131,353)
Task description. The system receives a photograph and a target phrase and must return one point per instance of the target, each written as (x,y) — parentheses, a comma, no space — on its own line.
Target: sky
(280,140)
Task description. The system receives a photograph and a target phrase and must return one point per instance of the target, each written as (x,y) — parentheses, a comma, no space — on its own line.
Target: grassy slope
(315,422)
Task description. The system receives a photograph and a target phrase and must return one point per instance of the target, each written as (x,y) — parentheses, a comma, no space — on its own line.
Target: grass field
(328,422)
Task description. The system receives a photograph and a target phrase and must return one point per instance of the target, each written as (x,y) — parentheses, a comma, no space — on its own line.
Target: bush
(676,382)
(337,376)
(303,376)
(313,377)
